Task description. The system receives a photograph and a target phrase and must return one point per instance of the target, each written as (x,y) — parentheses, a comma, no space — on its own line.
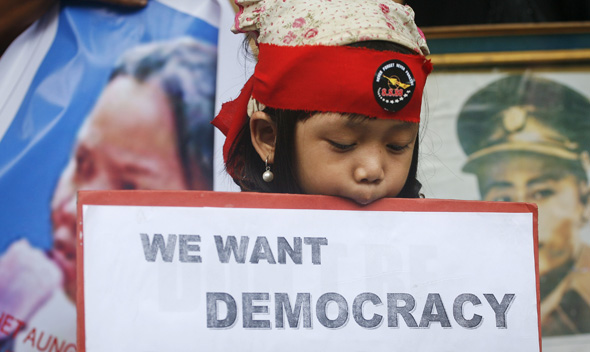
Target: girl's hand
(18,15)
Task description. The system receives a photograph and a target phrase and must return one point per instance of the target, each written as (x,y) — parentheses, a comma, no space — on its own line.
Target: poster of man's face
(100,114)
(522,136)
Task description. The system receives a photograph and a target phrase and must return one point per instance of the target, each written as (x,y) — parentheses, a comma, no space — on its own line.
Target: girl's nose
(369,170)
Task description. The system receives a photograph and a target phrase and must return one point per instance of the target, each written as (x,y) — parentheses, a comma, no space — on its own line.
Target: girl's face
(358,158)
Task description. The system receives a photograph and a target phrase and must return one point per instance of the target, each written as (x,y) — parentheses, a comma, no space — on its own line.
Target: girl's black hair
(248,167)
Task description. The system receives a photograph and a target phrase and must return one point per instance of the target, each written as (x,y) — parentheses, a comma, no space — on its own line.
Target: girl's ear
(263,132)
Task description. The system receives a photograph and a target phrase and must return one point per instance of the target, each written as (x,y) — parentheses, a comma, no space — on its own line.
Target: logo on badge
(393,85)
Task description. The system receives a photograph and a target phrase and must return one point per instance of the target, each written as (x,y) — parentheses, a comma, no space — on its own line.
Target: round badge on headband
(394,85)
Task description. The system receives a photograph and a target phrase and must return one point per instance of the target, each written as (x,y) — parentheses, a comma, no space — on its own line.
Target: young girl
(334,104)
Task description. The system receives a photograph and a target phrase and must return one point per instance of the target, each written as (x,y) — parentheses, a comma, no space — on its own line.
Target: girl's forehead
(354,122)
(358,119)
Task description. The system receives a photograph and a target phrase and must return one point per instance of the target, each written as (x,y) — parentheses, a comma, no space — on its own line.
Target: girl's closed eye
(396,148)
(342,146)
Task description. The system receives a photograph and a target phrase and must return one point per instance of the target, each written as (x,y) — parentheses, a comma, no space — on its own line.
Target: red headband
(341,79)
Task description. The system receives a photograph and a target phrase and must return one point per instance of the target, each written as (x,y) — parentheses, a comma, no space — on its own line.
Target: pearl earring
(267,176)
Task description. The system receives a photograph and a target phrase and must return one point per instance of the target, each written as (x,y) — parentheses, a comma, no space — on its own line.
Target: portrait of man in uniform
(527,140)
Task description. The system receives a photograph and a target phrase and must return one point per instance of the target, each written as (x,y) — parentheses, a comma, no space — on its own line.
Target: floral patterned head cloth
(329,22)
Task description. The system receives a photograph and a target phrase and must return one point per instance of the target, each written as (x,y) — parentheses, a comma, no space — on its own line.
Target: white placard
(162,278)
